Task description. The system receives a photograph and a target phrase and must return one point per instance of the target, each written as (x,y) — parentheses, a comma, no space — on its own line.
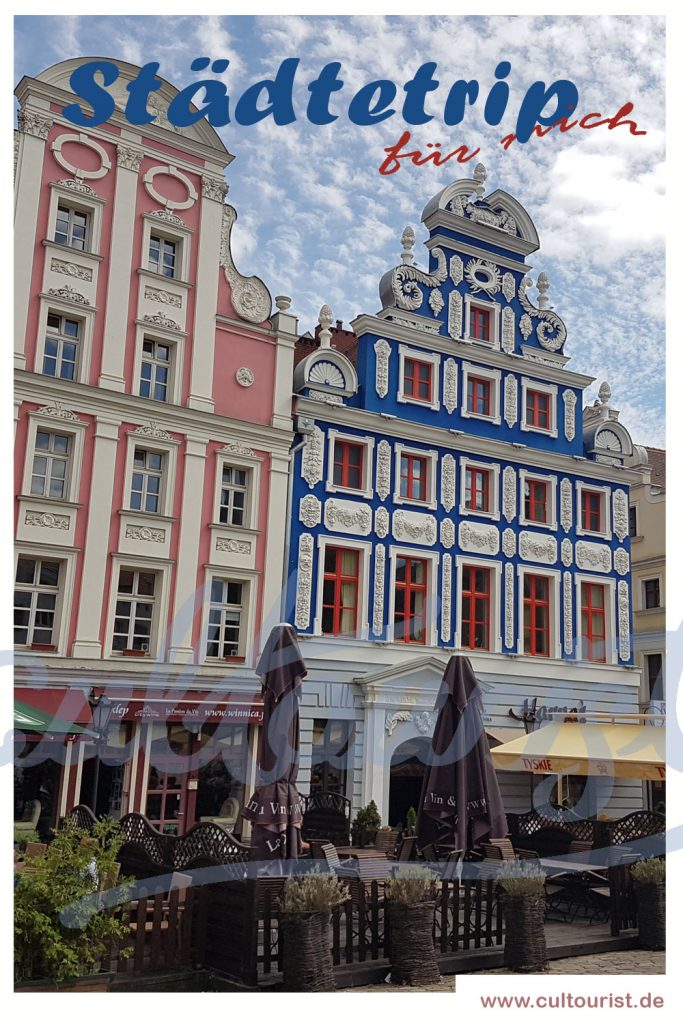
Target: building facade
(647,529)
(450,493)
(153,428)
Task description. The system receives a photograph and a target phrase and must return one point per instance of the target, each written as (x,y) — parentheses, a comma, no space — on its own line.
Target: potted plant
(411,822)
(649,877)
(22,837)
(306,910)
(61,930)
(522,885)
(366,825)
(411,901)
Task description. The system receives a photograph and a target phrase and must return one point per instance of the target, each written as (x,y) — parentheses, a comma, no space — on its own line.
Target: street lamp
(101,709)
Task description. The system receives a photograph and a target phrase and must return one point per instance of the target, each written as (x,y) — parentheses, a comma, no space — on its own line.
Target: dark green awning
(28,719)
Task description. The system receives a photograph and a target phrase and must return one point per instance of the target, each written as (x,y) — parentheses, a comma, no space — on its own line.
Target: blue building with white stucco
(450,493)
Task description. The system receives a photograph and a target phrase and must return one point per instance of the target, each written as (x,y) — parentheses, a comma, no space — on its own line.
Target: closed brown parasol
(460,802)
(275,809)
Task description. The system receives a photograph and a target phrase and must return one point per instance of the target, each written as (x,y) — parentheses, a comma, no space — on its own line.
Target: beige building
(647,529)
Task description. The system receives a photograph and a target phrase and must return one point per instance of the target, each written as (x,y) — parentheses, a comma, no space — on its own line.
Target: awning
(501,734)
(29,719)
(571,748)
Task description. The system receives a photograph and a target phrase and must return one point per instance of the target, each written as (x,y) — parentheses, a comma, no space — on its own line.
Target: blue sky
(317,222)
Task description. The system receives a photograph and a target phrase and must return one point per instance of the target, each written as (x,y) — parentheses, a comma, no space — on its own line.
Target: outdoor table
(361,852)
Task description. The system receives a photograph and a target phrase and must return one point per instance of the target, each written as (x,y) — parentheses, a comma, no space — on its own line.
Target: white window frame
(551,482)
(606,491)
(86,318)
(494,320)
(67,559)
(147,473)
(163,446)
(424,453)
(366,491)
(493,468)
(554,576)
(55,425)
(135,599)
(646,579)
(91,205)
(432,558)
(611,639)
(246,577)
(473,370)
(496,568)
(546,389)
(160,629)
(252,464)
(182,236)
(175,344)
(422,356)
(364,548)
(52,458)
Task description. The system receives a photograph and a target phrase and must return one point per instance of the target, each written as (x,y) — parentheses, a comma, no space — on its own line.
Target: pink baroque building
(153,425)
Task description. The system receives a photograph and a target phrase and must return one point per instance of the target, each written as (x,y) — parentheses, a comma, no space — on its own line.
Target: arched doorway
(405,777)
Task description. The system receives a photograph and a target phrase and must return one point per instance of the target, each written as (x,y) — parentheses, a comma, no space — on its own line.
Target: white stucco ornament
(245,377)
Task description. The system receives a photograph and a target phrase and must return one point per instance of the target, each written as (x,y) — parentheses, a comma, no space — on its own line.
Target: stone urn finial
(604,393)
(325,321)
(407,241)
(480,178)
(543,283)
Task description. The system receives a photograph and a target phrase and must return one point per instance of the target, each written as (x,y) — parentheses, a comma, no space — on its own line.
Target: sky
(317,222)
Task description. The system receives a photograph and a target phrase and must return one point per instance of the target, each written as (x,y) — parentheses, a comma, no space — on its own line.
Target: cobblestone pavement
(635,961)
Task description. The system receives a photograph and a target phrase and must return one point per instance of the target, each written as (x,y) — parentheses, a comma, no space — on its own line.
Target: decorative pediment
(328,371)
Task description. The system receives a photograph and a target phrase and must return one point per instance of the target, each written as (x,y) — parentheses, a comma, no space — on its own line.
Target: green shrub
(521,877)
(22,838)
(650,871)
(411,821)
(411,886)
(366,824)
(51,941)
(305,894)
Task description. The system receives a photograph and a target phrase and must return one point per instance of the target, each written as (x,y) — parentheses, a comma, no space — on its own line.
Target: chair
(326,816)
(450,871)
(227,815)
(406,849)
(502,849)
(386,840)
(430,854)
(30,817)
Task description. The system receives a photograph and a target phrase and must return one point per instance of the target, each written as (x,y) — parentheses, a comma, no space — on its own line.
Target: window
(49,478)
(652,595)
(162,256)
(476,608)
(60,355)
(478,490)
(417,380)
(479,396)
(632,521)
(593,622)
(225,619)
(414,477)
(536,615)
(653,669)
(145,491)
(348,465)
(71,227)
(536,501)
(233,502)
(134,616)
(340,592)
(480,323)
(332,741)
(155,369)
(538,410)
(410,600)
(35,601)
(591,511)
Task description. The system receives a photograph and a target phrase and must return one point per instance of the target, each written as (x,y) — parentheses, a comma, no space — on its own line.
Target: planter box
(88,983)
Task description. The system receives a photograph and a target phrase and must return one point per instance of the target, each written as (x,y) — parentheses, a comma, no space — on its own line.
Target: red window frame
(471,596)
(414,380)
(536,501)
(538,409)
(593,631)
(340,578)
(411,586)
(343,465)
(591,511)
(479,395)
(477,481)
(536,637)
(414,469)
(480,323)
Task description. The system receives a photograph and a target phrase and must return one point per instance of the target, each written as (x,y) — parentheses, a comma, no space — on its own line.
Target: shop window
(331,749)
(340,591)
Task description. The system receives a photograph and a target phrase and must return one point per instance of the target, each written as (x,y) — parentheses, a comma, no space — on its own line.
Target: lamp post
(101,709)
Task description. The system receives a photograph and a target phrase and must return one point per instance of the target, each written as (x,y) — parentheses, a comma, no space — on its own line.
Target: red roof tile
(343,341)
